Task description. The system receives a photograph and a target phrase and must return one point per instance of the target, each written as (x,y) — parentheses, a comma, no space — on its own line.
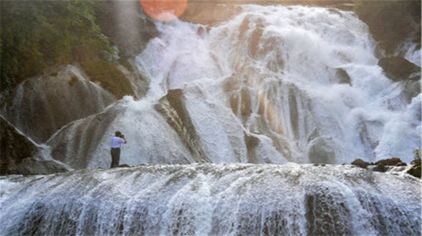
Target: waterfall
(272,85)
(207,199)
(225,135)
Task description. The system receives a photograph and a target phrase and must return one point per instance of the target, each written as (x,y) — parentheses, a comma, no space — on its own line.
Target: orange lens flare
(164,10)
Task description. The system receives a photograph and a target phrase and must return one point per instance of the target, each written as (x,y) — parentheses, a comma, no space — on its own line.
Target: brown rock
(360,163)
(394,161)
(415,171)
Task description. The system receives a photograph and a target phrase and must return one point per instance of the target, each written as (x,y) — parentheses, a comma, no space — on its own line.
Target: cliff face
(392,23)
(43,104)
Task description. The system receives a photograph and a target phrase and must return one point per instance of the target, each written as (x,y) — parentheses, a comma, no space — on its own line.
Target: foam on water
(267,51)
(208,199)
(273,84)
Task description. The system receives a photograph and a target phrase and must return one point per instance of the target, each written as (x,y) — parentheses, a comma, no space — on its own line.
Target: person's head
(118,134)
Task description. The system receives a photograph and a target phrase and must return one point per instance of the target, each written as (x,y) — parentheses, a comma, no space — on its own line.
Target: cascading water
(272,85)
(305,77)
(236,199)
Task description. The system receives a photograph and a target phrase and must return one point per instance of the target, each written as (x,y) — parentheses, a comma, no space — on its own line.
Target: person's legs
(115,157)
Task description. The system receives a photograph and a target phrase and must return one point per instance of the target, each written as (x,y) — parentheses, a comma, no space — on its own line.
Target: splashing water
(271,85)
(235,199)
(303,77)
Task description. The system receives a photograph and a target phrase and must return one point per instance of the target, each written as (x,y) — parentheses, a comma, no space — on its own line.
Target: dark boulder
(398,68)
(394,161)
(343,77)
(20,155)
(415,171)
(416,162)
(360,163)
(14,147)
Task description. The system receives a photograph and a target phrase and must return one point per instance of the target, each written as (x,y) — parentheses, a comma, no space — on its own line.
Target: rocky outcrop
(137,79)
(391,22)
(343,76)
(14,147)
(360,163)
(398,69)
(415,170)
(391,164)
(20,155)
(42,105)
(394,161)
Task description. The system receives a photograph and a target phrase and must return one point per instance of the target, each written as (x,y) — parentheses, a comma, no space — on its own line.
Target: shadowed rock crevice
(20,155)
(172,107)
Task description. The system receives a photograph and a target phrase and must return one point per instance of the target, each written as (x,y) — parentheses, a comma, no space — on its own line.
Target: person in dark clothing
(116,143)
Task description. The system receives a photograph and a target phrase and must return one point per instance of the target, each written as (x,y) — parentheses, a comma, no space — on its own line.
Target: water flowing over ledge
(233,199)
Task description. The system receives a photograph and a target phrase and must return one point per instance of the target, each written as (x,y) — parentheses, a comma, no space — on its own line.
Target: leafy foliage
(37,34)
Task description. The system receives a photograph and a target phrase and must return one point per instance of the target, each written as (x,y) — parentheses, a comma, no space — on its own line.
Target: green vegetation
(38,34)
(391,22)
(108,76)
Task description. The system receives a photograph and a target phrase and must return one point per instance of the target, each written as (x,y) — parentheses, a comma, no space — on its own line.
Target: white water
(302,81)
(269,77)
(212,200)
(271,51)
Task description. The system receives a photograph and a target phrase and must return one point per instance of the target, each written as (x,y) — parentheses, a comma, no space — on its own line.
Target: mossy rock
(108,76)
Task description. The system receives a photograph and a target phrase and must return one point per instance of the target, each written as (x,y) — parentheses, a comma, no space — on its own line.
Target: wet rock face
(14,147)
(326,214)
(320,151)
(19,155)
(44,104)
(32,166)
(398,68)
(415,170)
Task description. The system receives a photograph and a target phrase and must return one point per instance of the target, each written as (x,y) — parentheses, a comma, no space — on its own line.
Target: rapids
(235,199)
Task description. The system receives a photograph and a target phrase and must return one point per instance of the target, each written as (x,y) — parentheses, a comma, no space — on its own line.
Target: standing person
(116,144)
